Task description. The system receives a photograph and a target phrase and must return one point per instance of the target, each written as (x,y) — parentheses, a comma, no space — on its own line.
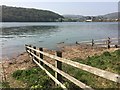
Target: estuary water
(14,35)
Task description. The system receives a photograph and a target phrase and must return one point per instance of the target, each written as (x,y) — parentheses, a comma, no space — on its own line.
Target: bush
(117,52)
(34,77)
(17,74)
(106,53)
(4,85)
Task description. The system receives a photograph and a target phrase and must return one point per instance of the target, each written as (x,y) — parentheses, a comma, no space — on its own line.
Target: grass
(4,85)
(34,78)
(37,78)
(107,61)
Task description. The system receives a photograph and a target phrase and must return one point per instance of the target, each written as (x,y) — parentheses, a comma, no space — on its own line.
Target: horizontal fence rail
(110,42)
(100,40)
(58,71)
(75,81)
(50,75)
(72,79)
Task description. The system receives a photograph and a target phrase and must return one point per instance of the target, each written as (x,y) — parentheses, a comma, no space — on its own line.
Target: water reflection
(49,35)
(29,30)
(14,38)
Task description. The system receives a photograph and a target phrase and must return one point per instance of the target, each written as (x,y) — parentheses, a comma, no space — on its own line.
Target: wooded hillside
(18,14)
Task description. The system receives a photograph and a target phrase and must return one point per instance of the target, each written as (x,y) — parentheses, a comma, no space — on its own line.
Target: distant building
(116,19)
(89,20)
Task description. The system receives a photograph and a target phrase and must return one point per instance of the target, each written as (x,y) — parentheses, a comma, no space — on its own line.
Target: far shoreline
(62,47)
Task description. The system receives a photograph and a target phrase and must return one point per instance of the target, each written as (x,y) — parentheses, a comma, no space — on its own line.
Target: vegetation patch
(107,61)
(37,78)
(34,78)
(4,85)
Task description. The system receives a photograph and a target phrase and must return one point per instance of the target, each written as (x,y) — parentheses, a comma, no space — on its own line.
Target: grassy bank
(36,78)
(107,61)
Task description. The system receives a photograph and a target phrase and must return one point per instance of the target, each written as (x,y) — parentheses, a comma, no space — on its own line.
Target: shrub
(17,74)
(34,77)
(4,85)
(106,53)
(117,52)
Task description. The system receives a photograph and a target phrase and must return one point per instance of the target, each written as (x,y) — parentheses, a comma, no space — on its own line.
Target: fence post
(108,43)
(92,42)
(34,53)
(58,65)
(30,50)
(41,55)
(116,46)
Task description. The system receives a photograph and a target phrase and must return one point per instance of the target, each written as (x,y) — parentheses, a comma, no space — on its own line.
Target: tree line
(18,14)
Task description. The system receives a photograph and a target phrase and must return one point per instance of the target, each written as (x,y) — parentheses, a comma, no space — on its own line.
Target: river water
(15,35)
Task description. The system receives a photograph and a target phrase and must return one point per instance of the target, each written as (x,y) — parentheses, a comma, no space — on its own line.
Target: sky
(74,7)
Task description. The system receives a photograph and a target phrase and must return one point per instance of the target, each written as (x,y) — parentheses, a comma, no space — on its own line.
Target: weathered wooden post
(58,65)
(41,55)
(93,42)
(34,53)
(76,42)
(108,43)
(30,51)
(116,46)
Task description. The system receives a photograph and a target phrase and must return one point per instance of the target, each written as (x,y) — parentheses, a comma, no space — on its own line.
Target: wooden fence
(109,42)
(39,60)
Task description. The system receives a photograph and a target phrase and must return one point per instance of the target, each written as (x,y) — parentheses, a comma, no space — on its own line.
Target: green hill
(18,14)
(112,15)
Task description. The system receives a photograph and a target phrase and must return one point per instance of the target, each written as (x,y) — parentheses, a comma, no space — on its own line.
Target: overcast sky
(76,7)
